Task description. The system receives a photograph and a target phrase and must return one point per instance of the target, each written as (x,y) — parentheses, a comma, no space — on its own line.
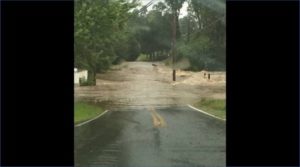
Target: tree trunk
(199,18)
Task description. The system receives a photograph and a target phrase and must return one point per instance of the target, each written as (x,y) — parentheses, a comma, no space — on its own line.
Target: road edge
(192,107)
(98,116)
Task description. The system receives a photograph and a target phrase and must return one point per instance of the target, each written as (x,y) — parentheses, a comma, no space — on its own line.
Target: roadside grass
(216,107)
(84,111)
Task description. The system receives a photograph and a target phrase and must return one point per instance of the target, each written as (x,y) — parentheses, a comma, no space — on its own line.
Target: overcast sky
(183,10)
(218,6)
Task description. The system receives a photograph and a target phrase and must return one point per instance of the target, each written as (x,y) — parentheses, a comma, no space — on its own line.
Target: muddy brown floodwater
(142,84)
(148,123)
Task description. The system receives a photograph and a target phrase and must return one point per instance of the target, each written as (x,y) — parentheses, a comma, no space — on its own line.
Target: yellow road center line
(162,120)
(158,121)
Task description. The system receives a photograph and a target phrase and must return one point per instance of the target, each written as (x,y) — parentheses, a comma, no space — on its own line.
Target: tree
(98,25)
(205,35)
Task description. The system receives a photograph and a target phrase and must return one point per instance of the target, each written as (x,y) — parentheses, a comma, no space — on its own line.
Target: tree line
(109,31)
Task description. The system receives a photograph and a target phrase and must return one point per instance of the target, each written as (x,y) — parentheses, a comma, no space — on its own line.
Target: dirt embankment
(142,84)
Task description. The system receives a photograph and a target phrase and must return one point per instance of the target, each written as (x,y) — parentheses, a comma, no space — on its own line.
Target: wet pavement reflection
(161,136)
(149,124)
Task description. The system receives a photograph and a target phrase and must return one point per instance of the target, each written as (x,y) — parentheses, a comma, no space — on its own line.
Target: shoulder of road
(206,113)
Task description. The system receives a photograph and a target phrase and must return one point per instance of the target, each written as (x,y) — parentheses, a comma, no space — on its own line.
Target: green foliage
(98,26)
(86,83)
(110,31)
(149,31)
(200,35)
(200,53)
(203,37)
(175,4)
(133,49)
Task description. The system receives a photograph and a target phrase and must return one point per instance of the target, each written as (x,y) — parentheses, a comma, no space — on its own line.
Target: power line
(146,6)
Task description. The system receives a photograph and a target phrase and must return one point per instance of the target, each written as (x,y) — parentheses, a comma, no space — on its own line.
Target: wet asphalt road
(151,137)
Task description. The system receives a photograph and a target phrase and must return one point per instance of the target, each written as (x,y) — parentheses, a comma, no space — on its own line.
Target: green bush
(83,82)
(202,54)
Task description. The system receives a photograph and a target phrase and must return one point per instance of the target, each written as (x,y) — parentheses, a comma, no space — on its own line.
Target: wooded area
(110,31)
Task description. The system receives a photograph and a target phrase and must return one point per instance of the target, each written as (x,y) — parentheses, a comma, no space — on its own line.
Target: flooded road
(141,84)
(148,123)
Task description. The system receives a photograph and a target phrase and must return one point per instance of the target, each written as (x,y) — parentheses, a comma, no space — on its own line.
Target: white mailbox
(78,74)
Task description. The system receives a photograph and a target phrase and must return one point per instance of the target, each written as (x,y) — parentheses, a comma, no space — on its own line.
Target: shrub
(83,82)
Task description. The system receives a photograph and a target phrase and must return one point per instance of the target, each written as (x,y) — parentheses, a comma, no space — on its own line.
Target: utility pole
(174,44)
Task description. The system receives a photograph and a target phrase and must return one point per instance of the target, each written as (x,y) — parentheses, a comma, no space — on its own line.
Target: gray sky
(183,10)
(216,5)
